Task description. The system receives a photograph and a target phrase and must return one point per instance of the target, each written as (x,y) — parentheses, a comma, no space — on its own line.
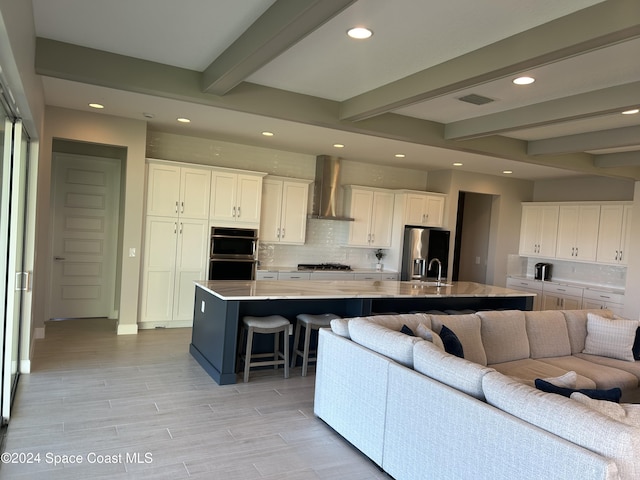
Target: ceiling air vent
(476,99)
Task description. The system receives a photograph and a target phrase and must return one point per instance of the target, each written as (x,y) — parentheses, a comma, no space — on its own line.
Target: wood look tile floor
(140,407)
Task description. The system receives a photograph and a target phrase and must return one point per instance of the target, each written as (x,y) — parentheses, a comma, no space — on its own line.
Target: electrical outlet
(132,252)
(202,306)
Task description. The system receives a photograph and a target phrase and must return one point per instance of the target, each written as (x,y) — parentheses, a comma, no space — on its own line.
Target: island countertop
(344,289)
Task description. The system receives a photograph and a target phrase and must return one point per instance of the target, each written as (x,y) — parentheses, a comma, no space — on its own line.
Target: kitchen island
(220,306)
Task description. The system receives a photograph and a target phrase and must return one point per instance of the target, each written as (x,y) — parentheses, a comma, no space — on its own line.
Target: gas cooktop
(323,266)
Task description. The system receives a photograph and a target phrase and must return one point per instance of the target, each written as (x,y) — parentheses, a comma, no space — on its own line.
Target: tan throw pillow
(423,332)
(610,338)
(568,380)
(622,412)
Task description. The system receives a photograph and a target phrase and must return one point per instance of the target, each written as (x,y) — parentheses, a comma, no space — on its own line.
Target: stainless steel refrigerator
(421,245)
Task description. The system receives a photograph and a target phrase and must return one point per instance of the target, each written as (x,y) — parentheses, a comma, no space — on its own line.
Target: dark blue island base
(216,320)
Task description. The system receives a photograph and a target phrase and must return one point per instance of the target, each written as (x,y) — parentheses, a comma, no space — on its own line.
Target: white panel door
(381,219)
(163,189)
(248,199)
(271,211)
(223,196)
(360,228)
(195,185)
(294,212)
(86,194)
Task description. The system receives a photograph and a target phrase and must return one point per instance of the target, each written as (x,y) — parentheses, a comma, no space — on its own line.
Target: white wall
(505,214)
(107,130)
(632,289)
(584,188)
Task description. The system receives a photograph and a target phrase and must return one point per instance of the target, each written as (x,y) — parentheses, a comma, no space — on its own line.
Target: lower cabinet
(598,299)
(561,297)
(531,286)
(175,255)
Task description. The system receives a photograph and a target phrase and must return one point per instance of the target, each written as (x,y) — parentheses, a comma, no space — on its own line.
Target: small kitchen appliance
(543,271)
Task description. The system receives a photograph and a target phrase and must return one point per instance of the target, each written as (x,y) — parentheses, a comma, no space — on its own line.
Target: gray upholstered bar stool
(309,322)
(272,324)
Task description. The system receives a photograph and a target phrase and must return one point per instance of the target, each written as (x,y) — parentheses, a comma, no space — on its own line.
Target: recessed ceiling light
(359,33)
(524,80)
(631,112)
(338,145)
(267,134)
(148,115)
(457,164)
(400,155)
(507,171)
(183,120)
(98,106)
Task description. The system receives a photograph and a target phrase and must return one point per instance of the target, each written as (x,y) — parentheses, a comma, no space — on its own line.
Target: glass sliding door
(15,281)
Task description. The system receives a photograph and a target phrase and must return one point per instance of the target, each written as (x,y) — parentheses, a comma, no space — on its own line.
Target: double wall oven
(232,253)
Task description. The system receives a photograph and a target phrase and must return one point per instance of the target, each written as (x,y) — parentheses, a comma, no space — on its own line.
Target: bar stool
(309,322)
(272,324)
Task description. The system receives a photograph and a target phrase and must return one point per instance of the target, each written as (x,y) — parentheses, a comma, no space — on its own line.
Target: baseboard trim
(127,329)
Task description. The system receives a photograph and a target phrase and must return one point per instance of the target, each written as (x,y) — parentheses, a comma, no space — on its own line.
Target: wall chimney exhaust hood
(326,188)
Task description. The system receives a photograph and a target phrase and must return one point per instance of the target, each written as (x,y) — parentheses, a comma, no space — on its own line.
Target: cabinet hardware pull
(278,232)
(181,207)
(620,255)
(175,227)
(283,233)
(176,206)
(181,224)
(233,212)
(238,212)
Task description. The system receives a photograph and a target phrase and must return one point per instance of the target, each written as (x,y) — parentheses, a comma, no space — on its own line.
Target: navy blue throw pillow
(611,395)
(636,345)
(407,331)
(451,342)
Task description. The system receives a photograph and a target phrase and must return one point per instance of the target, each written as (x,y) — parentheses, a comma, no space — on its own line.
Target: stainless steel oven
(233,253)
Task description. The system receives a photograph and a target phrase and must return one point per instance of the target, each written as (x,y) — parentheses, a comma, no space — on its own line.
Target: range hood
(326,188)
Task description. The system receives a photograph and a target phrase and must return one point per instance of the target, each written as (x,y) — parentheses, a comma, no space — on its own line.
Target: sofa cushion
(636,345)
(397,320)
(577,326)
(567,419)
(610,337)
(610,395)
(631,367)
(622,412)
(467,329)
(340,326)
(429,335)
(451,342)
(605,377)
(528,369)
(568,380)
(504,335)
(383,340)
(547,333)
(453,371)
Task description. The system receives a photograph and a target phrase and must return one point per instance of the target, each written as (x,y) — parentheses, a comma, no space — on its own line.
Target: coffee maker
(543,271)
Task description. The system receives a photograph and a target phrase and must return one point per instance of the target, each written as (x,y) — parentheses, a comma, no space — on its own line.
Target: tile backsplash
(326,243)
(596,274)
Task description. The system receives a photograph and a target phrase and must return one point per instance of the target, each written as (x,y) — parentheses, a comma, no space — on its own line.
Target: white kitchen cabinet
(538,230)
(372,211)
(294,275)
(337,275)
(175,254)
(174,190)
(614,234)
(423,209)
(526,285)
(602,299)
(578,232)
(266,275)
(284,211)
(561,297)
(235,197)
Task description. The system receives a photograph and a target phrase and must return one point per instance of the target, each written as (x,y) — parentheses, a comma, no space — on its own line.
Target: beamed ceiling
(237,68)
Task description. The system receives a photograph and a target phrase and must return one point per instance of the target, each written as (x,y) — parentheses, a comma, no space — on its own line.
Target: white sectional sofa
(419,412)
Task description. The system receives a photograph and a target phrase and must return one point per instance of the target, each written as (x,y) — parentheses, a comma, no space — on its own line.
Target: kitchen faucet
(439,279)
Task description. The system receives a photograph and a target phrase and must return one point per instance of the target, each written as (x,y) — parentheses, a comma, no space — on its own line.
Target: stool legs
(273,325)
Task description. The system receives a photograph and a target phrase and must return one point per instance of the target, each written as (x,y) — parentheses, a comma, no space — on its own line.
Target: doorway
(85,212)
(471,248)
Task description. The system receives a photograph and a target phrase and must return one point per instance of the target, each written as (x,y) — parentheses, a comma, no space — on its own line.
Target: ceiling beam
(622,159)
(80,64)
(284,24)
(589,29)
(584,105)
(614,138)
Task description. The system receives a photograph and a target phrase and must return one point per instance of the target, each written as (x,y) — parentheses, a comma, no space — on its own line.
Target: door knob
(59,259)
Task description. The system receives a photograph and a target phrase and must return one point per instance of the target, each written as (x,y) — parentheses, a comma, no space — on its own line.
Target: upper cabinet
(423,209)
(614,234)
(372,211)
(578,232)
(284,210)
(174,191)
(235,197)
(538,230)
